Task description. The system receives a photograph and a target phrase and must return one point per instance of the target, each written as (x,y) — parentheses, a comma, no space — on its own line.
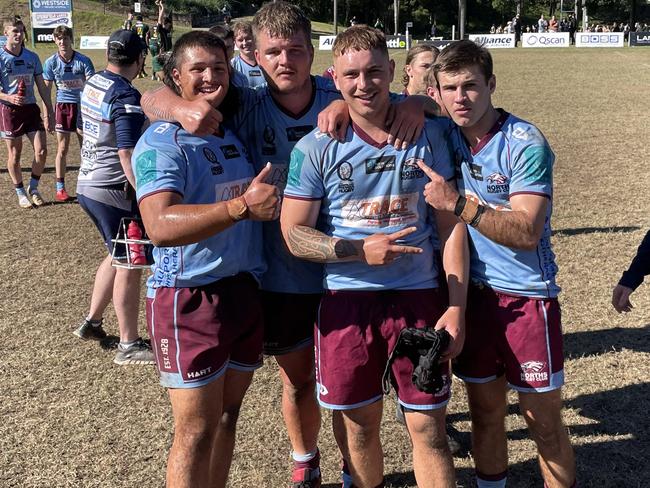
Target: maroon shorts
(18,121)
(197,333)
(520,337)
(289,321)
(357,330)
(68,117)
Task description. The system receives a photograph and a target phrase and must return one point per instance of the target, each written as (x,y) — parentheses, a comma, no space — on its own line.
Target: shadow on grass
(591,230)
(592,342)
(48,169)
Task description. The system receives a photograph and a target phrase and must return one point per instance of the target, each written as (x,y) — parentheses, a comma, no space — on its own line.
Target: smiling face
(200,72)
(364,78)
(245,44)
(467,96)
(286,61)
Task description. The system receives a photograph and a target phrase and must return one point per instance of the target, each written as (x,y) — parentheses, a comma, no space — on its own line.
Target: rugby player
(270,122)
(245,62)
(69,69)
(199,197)
(514,336)
(21,69)
(380,271)
(112,123)
(418,59)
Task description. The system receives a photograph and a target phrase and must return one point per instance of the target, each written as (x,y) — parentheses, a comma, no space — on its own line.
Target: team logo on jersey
(268,148)
(411,170)
(344,171)
(145,167)
(497,183)
(67,69)
(533,371)
(162,128)
(230,151)
(216,169)
(295,167)
(380,164)
(294,134)
(381,211)
(520,133)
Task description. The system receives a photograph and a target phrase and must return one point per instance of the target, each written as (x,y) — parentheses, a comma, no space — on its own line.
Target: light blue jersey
(253,74)
(70,76)
(270,135)
(366,188)
(513,158)
(15,68)
(202,170)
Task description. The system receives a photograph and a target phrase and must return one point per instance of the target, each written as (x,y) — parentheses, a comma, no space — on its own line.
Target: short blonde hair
(359,38)
(281,19)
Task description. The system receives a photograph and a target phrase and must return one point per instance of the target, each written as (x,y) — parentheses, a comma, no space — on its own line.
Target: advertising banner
(46,15)
(494,41)
(94,42)
(396,42)
(325,42)
(545,39)
(599,39)
(639,38)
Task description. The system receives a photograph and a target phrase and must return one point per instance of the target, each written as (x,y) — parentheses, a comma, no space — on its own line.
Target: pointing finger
(427,170)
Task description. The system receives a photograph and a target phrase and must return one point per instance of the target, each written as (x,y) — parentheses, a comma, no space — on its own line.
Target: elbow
(529,242)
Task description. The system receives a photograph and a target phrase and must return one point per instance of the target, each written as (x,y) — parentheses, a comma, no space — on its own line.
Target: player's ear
(492,83)
(176,76)
(391,69)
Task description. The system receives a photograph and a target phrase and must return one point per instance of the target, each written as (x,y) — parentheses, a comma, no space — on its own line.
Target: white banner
(325,42)
(94,42)
(51,19)
(599,39)
(545,39)
(494,41)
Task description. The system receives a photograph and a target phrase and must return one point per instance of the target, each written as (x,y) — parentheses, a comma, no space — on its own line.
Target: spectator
(516,23)
(542,24)
(165,27)
(142,30)
(493,29)
(128,23)
(553,24)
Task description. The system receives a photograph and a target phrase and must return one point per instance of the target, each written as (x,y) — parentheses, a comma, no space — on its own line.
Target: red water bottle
(136,250)
(22,89)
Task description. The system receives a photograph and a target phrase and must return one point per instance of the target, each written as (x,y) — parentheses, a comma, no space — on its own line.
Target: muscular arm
(171,223)
(125,161)
(158,103)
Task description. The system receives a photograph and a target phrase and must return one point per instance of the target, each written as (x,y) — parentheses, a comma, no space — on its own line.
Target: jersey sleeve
(532,166)
(48,69)
(128,118)
(89,68)
(305,178)
(158,162)
(438,134)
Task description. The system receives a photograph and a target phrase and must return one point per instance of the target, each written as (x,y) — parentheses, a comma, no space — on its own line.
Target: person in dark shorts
(112,123)
(20,72)
(514,333)
(201,203)
(143,32)
(69,70)
(380,271)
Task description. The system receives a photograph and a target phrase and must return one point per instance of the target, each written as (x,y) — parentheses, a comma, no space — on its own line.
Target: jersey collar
(503,116)
(363,135)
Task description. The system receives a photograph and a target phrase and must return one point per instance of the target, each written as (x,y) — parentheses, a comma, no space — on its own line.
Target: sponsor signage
(639,38)
(94,42)
(599,39)
(325,42)
(545,39)
(494,41)
(396,42)
(46,15)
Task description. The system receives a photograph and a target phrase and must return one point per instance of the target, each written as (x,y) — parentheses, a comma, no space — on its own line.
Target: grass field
(71,418)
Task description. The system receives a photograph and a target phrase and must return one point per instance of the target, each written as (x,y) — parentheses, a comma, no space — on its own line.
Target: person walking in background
(69,70)
(20,72)
(142,30)
(112,124)
(632,278)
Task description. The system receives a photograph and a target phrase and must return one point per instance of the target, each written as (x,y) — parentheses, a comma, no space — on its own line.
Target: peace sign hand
(380,249)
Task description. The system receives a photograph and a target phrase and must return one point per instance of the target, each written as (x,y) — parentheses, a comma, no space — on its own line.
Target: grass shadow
(588,343)
(592,230)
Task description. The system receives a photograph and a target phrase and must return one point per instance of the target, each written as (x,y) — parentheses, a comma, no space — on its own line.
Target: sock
(123,346)
(33,182)
(491,480)
(20,189)
(60,184)
(311,460)
(95,323)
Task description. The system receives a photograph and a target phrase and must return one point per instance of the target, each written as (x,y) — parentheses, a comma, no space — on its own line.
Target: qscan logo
(545,41)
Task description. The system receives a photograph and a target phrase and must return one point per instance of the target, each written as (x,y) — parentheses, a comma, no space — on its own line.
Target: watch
(237,209)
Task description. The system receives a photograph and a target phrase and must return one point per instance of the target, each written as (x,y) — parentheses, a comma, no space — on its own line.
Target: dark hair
(421,47)
(208,41)
(461,55)
(62,31)
(139,17)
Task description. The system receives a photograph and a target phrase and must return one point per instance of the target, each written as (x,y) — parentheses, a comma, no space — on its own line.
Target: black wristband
(477,217)
(460,205)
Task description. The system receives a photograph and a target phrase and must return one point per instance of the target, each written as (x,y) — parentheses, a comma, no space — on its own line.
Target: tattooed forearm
(152,110)
(312,245)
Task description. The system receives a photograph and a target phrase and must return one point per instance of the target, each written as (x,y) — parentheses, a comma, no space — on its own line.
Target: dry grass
(70,418)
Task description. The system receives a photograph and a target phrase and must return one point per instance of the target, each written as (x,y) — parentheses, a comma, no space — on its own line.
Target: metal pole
(336,24)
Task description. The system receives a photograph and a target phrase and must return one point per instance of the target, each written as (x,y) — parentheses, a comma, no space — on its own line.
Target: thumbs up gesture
(263,199)
(438,193)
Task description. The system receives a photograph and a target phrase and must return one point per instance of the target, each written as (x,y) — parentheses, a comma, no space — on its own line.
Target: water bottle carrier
(120,256)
